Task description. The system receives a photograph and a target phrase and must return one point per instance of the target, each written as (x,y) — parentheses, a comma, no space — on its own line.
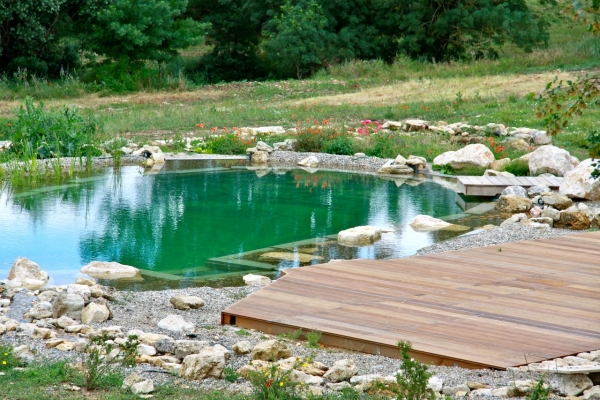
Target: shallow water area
(208,222)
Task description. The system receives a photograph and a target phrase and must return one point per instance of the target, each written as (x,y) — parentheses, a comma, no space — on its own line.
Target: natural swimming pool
(212,219)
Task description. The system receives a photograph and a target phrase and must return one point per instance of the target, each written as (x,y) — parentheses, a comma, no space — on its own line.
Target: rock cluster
(540,207)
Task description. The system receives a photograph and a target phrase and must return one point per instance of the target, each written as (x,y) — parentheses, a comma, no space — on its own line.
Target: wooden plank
(474,307)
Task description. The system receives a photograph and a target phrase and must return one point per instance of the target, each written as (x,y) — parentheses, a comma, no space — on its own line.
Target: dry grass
(444,89)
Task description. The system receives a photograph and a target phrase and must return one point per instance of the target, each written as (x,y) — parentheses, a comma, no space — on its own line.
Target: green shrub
(444,169)
(40,133)
(311,139)
(518,167)
(385,145)
(226,144)
(470,171)
(413,379)
(341,145)
(312,339)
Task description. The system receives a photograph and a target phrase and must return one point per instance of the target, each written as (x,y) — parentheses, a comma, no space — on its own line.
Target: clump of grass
(312,339)
(517,167)
(413,379)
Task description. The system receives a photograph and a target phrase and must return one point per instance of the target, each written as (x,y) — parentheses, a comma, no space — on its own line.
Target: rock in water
(309,162)
(25,273)
(425,223)
(259,280)
(109,270)
(287,256)
(359,236)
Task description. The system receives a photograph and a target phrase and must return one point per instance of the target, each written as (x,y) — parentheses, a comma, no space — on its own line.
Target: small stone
(95,312)
(66,346)
(570,384)
(176,323)
(242,347)
(25,273)
(258,280)
(146,349)
(132,379)
(85,281)
(515,191)
(186,302)
(271,350)
(435,384)
(341,370)
(143,387)
(359,236)
(309,162)
(592,394)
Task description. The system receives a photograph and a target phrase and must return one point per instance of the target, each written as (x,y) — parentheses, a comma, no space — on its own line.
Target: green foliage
(295,335)
(539,391)
(142,30)
(594,144)
(129,351)
(32,36)
(274,383)
(312,339)
(225,144)
(242,332)
(385,145)
(444,169)
(518,167)
(341,144)
(40,133)
(441,30)
(230,374)
(413,377)
(7,359)
(297,40)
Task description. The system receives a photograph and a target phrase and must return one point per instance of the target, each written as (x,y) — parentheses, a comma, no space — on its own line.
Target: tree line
(254,39)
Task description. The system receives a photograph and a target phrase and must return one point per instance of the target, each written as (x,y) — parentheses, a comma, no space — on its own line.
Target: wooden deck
(497,306)
(493,185)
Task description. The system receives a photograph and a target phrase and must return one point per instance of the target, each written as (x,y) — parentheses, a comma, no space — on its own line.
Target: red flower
(269,383)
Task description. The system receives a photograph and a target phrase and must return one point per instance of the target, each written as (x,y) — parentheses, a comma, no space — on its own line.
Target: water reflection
(175,220)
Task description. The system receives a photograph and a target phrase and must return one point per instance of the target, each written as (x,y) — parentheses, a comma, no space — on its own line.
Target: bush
(7,359)
(385,145)
(413,379)
(518,167)
(341,144)
(226,144)
(39,133)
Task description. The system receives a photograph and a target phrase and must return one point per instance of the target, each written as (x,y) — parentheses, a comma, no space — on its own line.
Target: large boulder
(513,204)
(515,191)
(579,183)
(70,305)
(262,146)
(95,312)
(109,270)
(209,363)
(575,220)
(271,350)
(359,236)
(473,155)
(551,159)
(425,223)
(342,370)
(27,274)
(183,302)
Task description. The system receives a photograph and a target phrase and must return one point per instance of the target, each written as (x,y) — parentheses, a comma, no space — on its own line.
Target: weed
(274,383)
(312,339)
(518,167)
(7,359)
(291,336)
(240,295)
(444,169)
(413,377)
(129,351)
(230,374)
(540,391)
(242,332)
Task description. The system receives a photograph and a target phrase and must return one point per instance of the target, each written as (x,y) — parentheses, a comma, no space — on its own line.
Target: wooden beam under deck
(495,306)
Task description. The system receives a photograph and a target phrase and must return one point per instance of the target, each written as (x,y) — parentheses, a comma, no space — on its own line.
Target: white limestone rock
(70,305)
(183,302)
(109,270)
(341,370)
(95,312)
(359,236)
(570,384)
(551,159)
(258,280)
(513,204)
(209,363)
(25,273)
(242,347)
(578,183)
(259,157)
(271,350)
(309,162)
(473,155)
(425,223)
(176,323)
(391,167)
(143,387)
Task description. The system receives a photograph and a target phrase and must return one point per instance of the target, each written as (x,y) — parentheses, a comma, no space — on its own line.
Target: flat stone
(285,256)
(183,302)
(109,270)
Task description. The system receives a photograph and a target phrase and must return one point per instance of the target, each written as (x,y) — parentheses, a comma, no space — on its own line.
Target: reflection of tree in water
(177,221)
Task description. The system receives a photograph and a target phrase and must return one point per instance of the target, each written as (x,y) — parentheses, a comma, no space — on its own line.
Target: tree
(444,30)
(297,40)
(561,101)
(32,36)
(142,30)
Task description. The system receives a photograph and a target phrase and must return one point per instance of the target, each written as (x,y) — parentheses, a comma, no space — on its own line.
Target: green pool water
(198,220)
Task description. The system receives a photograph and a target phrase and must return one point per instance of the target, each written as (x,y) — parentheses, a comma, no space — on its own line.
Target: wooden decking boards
(497,306)
(493,185)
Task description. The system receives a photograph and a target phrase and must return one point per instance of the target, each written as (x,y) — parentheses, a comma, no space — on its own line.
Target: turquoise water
(172,224)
